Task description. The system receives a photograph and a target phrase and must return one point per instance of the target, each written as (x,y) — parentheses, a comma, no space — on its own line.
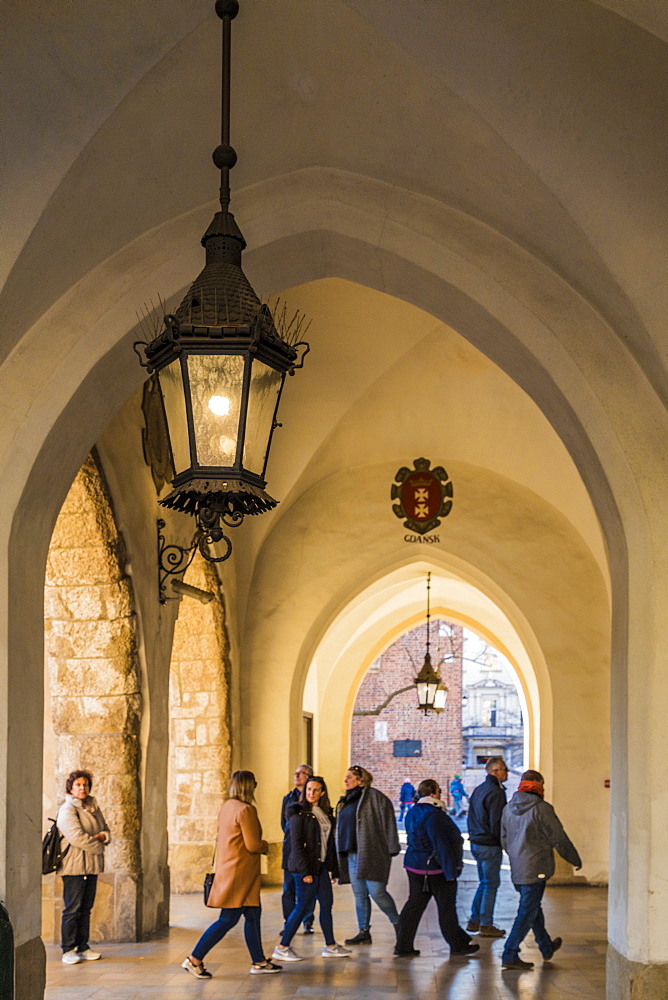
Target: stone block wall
(93,677)
(200,751)
(441,735)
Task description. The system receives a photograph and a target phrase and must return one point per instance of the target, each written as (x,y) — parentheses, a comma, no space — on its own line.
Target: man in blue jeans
(484,822)
(530,833)
(301,776)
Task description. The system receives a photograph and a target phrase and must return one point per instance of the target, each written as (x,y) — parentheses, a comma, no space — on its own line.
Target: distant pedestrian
(301,776)
(433,862)
(406,798)
(458,793)
(366,841)
(530,830)
(486,805)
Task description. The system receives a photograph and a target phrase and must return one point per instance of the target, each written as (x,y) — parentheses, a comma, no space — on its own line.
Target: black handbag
(208,879)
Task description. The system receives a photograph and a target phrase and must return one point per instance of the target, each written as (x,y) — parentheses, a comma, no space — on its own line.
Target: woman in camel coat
(236,884)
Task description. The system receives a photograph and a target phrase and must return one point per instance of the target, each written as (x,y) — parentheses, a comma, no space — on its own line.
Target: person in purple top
(433,862)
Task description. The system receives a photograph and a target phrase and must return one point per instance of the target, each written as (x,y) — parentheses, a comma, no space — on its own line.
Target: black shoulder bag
(52,852)
(209,877)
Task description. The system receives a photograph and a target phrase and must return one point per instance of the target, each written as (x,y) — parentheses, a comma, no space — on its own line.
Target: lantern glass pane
(422,694)
(216,382)
(265,385)
(431,692)
(171,385)
(440,699)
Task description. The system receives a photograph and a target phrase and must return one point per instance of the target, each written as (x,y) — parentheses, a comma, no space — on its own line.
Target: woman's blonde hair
(364,777)
(242,786)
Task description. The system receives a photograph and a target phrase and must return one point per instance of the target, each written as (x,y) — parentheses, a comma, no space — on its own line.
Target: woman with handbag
(236,883)
(312,860)
(433,862)
(84,829)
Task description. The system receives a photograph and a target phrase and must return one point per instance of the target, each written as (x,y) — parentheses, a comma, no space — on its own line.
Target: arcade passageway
(150,970)
(468,202)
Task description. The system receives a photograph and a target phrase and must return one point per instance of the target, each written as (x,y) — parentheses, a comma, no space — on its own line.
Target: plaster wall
(529,551)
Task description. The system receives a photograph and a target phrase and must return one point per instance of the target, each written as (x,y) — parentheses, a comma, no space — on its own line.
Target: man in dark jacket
(302,774)
(484,822)
(530,833)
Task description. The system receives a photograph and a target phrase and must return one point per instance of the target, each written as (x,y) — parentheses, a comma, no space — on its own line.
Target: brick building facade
(374,734)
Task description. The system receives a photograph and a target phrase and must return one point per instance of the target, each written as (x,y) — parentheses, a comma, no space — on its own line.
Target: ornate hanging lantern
(221,361)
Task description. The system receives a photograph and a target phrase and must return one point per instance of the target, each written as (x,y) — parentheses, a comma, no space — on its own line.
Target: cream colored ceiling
(538,122)
(539,119)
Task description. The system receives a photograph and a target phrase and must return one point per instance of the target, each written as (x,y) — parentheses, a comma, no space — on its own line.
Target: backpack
(52,852)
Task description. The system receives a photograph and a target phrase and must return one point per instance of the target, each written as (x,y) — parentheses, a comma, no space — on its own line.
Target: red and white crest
(424,496)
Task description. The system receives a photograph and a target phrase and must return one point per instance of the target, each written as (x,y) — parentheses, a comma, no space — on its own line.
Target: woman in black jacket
(312,859)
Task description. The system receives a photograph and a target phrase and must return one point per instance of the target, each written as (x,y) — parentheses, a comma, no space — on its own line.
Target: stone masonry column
(94,679)
(200,750)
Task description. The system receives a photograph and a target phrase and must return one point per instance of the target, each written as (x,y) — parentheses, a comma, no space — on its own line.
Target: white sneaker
(89,956)
(71,958)
(335,951)
(286,954)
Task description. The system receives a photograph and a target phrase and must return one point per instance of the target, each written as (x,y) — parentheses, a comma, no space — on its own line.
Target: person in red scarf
(530,833)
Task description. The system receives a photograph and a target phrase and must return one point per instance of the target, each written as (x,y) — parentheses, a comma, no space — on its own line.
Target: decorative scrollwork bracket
(174,560)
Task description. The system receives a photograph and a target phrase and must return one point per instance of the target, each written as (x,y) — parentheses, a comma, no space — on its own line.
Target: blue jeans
(529,918)
(363,888)
(488,860)
(288,899)
(306,894)
(229,918)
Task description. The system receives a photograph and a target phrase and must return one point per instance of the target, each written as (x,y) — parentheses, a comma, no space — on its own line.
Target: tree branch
(379,708)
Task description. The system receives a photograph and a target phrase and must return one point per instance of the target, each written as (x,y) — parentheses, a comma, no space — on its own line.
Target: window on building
(380,731)
(489,712)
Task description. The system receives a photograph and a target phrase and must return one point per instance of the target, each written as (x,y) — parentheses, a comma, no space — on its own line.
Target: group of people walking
(529,830)
(353,844)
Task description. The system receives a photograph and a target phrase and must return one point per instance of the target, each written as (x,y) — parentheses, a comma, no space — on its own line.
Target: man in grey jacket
(530,833)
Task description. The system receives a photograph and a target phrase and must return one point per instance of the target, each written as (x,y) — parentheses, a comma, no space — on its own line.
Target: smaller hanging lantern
(431,691)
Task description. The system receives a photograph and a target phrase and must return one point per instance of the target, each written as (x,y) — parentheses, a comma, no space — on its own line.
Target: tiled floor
(150,970)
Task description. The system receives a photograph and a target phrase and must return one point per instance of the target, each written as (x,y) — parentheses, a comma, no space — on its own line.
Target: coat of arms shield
(424,496)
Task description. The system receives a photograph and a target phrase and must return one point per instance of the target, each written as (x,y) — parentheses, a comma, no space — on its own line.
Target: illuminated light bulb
(220,405)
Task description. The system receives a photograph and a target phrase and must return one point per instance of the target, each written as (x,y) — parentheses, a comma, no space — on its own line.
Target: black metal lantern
(221,363)
(431,691)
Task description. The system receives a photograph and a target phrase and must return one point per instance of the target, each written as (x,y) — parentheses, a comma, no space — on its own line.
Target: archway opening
(375,623)
(483,715)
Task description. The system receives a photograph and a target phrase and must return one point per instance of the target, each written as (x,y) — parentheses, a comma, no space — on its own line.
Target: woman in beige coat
(85,836)
(236,884)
